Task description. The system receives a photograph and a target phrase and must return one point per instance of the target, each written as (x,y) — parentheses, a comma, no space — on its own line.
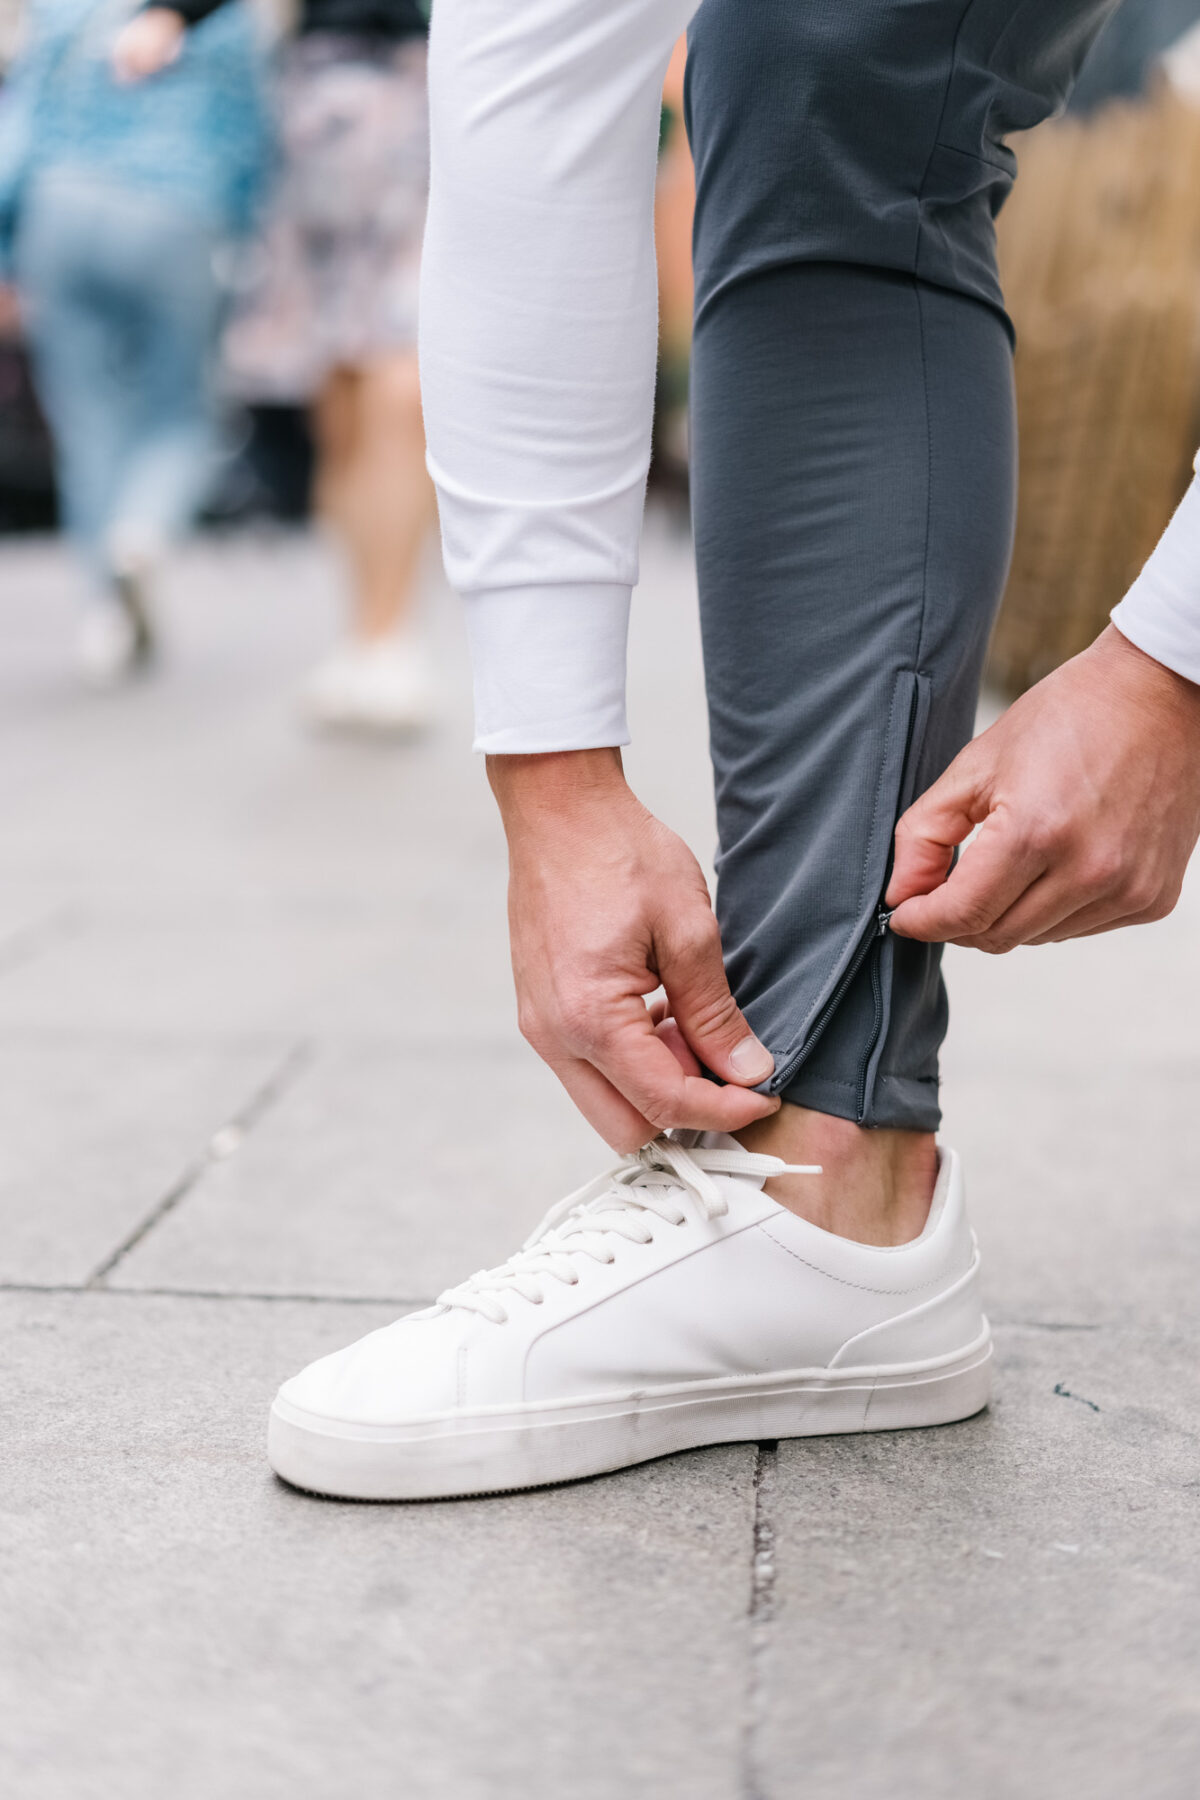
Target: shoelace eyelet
(663,1164)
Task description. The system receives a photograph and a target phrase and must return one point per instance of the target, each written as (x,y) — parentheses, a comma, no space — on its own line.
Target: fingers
(991,877)
(692,971)
(933,826)
(668,1033)
(669,1097)
(605,1109)
(1107,915)
(1082,891)
(631,1080)
(1042,906)
(642,1067)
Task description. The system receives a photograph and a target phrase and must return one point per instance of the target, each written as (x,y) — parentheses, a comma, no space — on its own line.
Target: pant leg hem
(898,1102)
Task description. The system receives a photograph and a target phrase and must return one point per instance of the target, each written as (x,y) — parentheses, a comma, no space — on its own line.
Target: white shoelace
(615,1204)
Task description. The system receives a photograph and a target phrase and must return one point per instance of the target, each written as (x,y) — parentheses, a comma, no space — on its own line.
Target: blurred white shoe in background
(116,639)
(383,685)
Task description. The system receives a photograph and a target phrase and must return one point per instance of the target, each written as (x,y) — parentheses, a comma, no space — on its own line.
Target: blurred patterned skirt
(333,280)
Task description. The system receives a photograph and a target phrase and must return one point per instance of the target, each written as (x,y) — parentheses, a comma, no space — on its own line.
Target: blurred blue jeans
(123,307)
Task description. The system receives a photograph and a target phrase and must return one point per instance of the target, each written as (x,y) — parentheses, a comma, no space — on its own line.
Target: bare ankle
(875,1187)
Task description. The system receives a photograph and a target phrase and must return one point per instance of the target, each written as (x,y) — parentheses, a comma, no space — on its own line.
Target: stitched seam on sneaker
(862,1286)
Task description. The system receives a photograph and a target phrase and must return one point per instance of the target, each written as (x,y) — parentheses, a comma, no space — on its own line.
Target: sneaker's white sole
(497,1449)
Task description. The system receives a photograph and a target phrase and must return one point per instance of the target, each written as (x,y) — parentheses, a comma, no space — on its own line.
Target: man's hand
(604,905)
(151,40)
(1088,793)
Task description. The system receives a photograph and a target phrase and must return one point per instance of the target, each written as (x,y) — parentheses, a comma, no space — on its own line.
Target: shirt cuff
(549,665)
(1161,611)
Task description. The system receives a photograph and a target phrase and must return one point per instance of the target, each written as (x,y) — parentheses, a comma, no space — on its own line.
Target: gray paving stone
(174,1621)
(280,972)
(379,1172)
(1083,1190)
(1003,1611)
(1098,1003)
(94,1135)
(30,925)
(1009,1608)
(1070,1080)
(234,795)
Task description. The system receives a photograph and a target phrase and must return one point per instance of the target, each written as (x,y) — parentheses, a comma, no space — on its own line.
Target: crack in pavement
(223,1143)
(27,942)
(761,1613)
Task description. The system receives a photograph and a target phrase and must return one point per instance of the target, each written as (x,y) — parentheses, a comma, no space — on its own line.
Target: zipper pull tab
(883,919)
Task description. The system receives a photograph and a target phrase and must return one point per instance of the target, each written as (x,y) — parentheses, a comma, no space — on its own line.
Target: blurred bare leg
(372,486)
(373,491)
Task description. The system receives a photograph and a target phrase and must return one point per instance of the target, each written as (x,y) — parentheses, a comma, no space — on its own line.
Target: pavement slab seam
(223,1143)
(404,1302)
(38,937)
(761,1613)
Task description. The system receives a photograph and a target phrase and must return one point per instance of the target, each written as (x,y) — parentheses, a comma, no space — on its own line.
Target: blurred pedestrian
(332,321)
(115,204)
(674,205)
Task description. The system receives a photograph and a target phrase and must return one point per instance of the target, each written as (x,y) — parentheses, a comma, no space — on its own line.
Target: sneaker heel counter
(951,1321)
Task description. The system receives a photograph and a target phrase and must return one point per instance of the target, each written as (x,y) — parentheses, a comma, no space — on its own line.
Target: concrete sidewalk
(261,1088)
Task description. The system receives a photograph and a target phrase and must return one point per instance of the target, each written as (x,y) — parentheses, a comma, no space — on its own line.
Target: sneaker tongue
(715,1140)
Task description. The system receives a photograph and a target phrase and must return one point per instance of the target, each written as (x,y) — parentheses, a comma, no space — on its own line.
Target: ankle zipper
(883,919)
(866,944)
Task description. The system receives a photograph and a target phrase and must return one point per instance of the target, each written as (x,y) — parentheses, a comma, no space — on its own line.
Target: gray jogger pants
(853,482)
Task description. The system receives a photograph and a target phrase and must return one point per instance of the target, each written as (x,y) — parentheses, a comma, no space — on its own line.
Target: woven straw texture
(1100,255)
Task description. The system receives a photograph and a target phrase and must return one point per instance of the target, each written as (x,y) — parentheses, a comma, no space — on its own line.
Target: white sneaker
(383,686)
(116,638)
(669,1304)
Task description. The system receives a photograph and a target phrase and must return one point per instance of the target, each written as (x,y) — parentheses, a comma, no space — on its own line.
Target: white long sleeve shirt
(1161,611)
(539,324)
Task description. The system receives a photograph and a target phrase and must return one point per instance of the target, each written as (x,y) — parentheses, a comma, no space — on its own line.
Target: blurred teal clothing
(196,135)
(115,204)
(122,313)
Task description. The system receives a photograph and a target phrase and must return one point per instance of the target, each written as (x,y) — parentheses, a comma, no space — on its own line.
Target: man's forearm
(540,789)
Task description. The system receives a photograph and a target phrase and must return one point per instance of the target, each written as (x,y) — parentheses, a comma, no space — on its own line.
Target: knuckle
(973,919)
(714,1015)
(659,1110)
(1167,900)
(576,1021)
(1142,896)
(1104,871)
(698,939)
(530,1024)
(1155,900)
(1043,835)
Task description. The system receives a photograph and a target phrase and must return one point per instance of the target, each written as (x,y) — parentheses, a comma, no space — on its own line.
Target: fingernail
(751,1060)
